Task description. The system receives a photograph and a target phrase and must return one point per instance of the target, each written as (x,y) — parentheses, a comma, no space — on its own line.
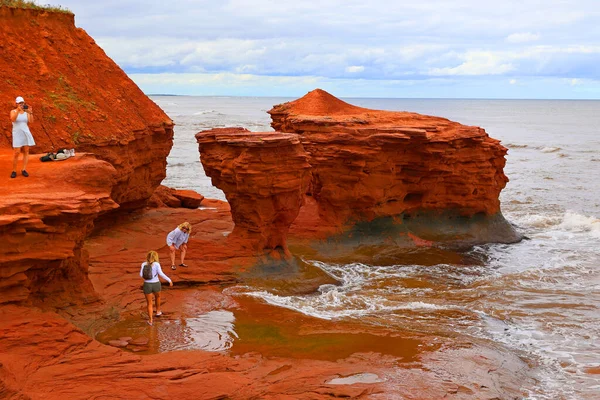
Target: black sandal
(183,265)
(173,267)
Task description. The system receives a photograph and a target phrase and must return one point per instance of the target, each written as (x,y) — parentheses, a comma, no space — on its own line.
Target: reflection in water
(271,331)
(213,331)
(358,378)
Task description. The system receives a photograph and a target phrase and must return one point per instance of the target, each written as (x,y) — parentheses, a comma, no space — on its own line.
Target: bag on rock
(62,154)
(147,272)
(48,157)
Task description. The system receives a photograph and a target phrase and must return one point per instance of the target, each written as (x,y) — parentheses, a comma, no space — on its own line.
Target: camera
(25,106)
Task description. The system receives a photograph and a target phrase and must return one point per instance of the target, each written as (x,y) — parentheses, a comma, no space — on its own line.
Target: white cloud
(355,68)
(523,37)
(341,39)
(513,81)
(477,63)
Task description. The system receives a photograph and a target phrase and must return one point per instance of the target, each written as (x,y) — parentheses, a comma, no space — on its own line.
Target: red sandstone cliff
(81,99)
(264,176)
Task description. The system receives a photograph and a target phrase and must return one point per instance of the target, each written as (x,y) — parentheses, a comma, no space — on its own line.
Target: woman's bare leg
(16,157)
(183,250)
(172,254)
(157,297)
(149,305)
(25,156)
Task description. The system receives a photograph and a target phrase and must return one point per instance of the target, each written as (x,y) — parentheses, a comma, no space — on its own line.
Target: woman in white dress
(21,135)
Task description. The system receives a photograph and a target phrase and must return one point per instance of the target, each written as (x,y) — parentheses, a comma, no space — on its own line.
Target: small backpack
(48,157)
(147,272)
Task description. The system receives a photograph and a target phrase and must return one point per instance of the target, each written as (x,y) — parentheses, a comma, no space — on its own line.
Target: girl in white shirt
(152,283)
(177,239)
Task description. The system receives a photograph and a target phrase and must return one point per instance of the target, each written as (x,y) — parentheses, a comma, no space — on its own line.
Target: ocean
(540,298)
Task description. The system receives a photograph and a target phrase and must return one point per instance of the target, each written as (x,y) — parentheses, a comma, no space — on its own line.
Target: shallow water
(253,326)
(540,297)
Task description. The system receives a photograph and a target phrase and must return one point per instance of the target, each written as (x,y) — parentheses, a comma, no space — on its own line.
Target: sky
(532,49)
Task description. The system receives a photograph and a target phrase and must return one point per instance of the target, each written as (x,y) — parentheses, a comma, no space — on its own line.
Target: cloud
(523,37)
(355,68)
(476,63)
(350,39)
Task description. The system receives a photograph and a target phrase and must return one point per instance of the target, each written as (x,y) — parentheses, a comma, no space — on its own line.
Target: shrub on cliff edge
(33,5)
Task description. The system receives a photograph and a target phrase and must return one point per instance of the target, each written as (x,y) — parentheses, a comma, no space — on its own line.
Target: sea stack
(376,175)
(264,176)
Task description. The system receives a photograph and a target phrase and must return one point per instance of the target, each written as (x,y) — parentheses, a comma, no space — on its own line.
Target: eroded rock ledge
(44,220)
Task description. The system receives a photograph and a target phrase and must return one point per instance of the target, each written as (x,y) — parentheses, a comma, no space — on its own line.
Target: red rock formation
(264,176)
(167,197)
(368,164)
(82,100)
(44,220)
(188,198)
(163,196)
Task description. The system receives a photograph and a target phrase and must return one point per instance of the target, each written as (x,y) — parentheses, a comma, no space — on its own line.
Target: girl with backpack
(150,272)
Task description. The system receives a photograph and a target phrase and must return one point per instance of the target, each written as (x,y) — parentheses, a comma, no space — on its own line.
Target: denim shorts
(151,287)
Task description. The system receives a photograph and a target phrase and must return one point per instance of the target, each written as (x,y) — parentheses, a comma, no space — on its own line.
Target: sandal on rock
(173,267)
(158,314)
(183,265)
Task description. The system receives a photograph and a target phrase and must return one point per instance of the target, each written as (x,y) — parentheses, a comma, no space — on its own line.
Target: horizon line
(370,97)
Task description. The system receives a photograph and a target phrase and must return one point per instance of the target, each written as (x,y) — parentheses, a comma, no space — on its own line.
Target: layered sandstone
(44,220)
(396,176)
(81,99)
(168,197)
(369,164)
(264,176)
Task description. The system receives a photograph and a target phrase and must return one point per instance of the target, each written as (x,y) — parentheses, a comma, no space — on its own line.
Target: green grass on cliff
(33,6)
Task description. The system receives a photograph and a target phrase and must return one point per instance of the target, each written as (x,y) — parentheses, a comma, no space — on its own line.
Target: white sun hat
(19,100)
